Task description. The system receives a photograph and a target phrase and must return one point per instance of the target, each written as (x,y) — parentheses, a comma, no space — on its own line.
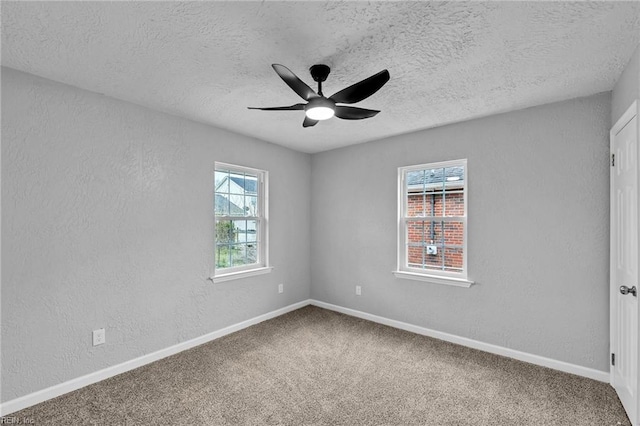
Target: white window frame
(459,279)
(262,265)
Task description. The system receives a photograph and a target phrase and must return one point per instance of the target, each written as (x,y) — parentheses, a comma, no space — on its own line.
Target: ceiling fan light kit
(319,107)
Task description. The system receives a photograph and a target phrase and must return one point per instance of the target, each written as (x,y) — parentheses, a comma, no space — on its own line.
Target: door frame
(630,113)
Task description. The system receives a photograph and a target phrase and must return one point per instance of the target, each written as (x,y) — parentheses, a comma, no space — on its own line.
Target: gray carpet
(317,367)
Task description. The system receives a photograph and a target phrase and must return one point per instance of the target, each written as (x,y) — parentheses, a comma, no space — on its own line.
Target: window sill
(242,274)
(457,282)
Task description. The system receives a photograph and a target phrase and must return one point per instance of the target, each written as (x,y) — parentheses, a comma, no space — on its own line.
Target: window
(240,206)
(432,223)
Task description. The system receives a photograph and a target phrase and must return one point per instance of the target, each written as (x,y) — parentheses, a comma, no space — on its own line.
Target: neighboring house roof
(235,209)
(249,185)
(435,176)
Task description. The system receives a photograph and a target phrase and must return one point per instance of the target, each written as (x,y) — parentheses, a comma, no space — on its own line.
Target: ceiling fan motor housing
(320,102)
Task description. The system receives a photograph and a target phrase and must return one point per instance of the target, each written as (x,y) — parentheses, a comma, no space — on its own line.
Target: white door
(624,261)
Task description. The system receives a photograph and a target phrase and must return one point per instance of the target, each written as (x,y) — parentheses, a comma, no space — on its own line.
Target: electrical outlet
(280,288)
(358,290)
(99,337)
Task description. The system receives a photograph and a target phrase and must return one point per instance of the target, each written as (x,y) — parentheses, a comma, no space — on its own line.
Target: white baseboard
(602,376)
(80,382)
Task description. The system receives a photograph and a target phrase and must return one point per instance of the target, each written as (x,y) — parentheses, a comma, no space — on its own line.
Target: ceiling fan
(320,107)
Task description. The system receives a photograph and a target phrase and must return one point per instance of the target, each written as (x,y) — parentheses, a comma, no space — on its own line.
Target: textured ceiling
(208,61)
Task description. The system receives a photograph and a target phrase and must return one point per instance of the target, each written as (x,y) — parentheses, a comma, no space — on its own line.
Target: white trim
(628,115)
(460,278)
(80,382)
(240,274)
(262,193)
(458,282)
(602,376)
(436,165)
(235,168)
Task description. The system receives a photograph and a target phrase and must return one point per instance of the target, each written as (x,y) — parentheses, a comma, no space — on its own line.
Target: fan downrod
(319,72)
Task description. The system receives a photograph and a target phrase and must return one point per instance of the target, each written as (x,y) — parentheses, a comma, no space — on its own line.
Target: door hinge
(613,359)
(613,160)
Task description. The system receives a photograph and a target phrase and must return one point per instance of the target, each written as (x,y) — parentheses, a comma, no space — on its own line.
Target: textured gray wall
(107,222)
(627,89)
(538,230)
(106,207)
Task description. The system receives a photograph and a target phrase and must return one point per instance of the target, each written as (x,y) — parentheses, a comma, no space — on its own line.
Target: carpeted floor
(317,367)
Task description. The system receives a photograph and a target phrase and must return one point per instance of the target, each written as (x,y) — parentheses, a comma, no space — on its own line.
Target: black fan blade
(285,108)
(354,113)
(309,122)
(361,90)
(298,86)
